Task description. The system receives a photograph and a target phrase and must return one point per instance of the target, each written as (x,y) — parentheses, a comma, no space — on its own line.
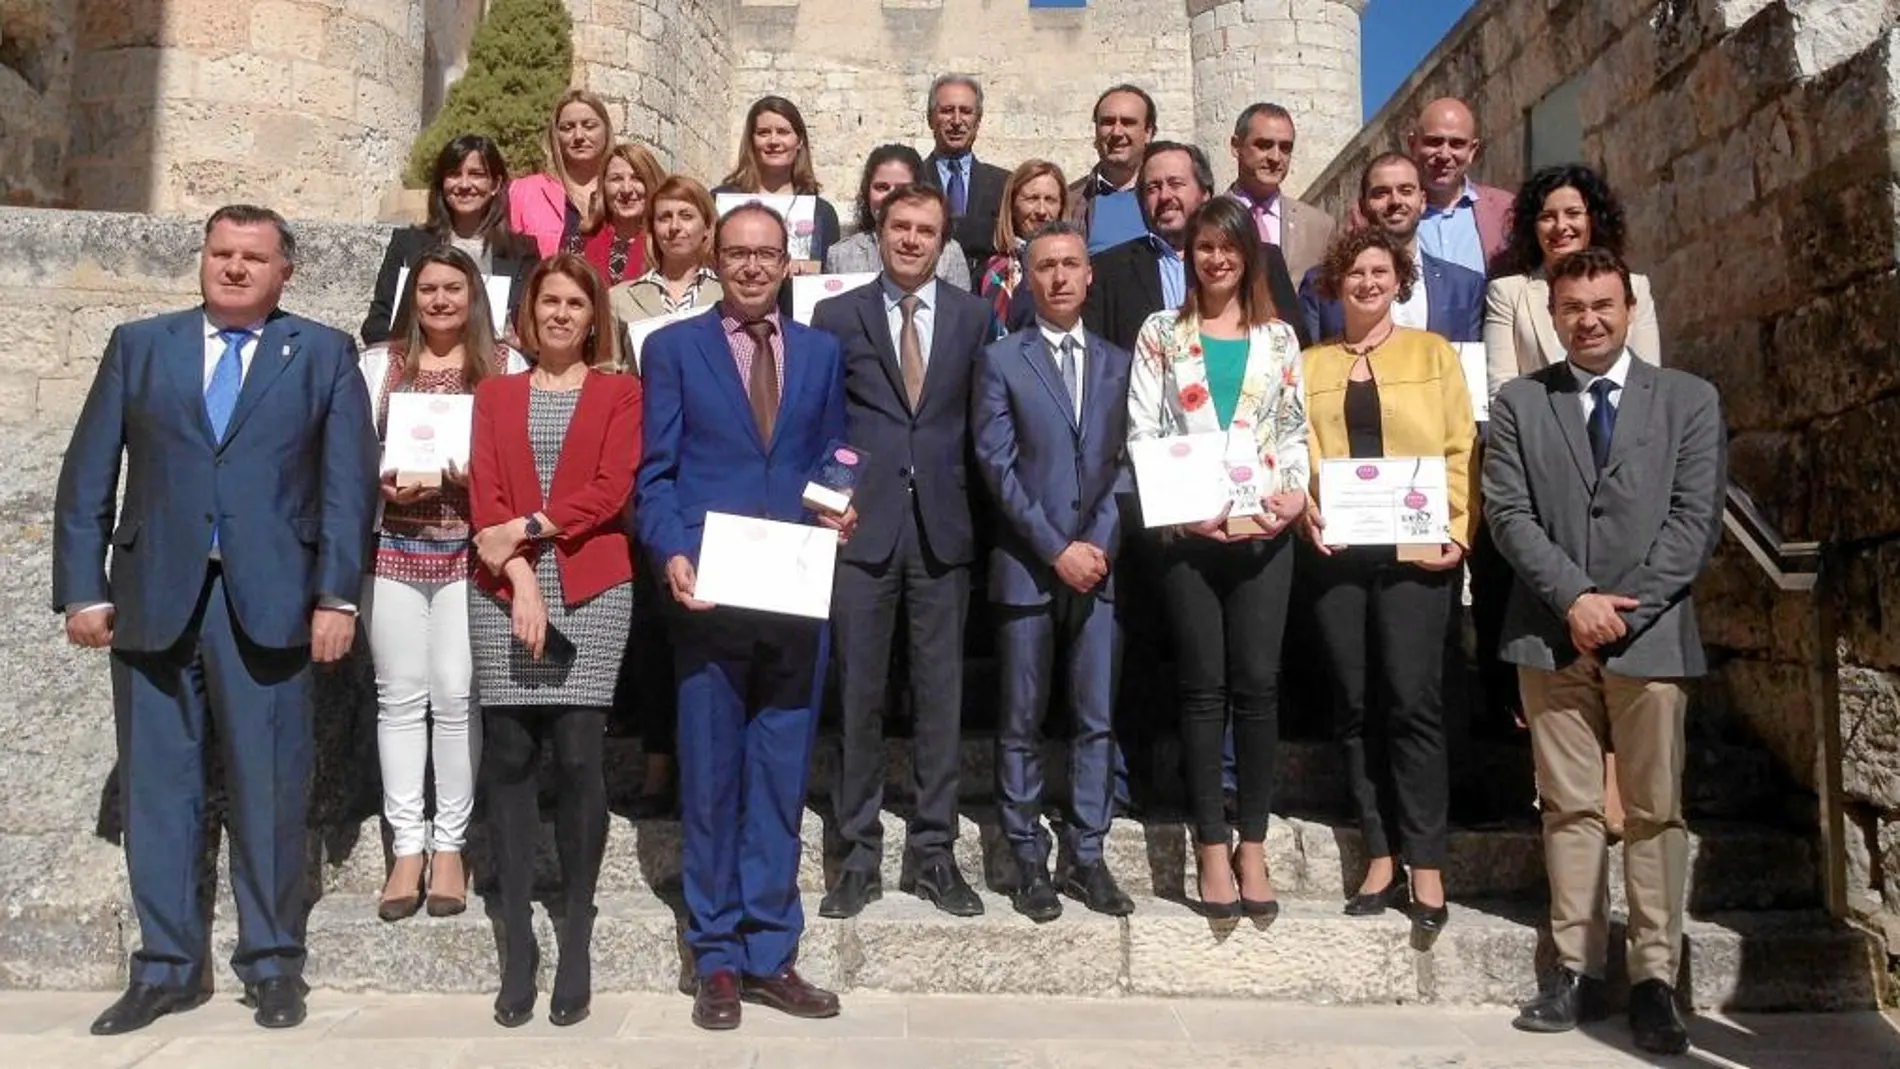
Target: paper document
(808,290)
(639,330)
(799,210)
(1389,501)
(1477,379)
(1181,479)
(751,563)
(425,432)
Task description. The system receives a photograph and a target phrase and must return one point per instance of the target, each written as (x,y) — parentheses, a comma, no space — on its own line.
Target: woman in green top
(1227,366)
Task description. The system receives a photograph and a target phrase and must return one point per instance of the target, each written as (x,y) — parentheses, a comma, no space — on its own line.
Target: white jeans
(418,636)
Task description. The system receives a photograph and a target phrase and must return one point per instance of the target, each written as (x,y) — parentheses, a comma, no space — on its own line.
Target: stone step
(1733,866)
(1312,954)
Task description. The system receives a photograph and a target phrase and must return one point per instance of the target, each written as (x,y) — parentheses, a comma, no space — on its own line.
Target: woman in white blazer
(1559,210)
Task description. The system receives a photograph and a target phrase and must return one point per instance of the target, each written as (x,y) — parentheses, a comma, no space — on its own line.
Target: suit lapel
(1149,274)
(1567,409)
(877,327)
(798,374)
(943,324)
(717,353)
(184,361)
(1036,354)
(1633,406)
(1536,309)
(276,348)
(1097,401)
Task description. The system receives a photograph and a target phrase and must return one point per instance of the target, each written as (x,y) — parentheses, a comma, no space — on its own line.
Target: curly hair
(1525,255)
(1344,252)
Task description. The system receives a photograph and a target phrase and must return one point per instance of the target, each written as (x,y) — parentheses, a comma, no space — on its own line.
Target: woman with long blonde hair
(563,204)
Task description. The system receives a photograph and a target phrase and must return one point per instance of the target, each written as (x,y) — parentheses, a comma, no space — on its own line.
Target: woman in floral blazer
(1226,366)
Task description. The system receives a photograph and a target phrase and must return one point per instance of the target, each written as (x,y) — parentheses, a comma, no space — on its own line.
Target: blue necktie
(221,393)
(955,192)
(1602,421)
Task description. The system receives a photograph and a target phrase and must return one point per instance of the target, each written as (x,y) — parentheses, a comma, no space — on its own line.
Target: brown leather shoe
(790,993)
(716,1007)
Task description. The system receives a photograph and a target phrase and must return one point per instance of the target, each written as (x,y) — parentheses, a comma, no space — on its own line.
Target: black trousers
(1227,604)
(933,599)
(511,749)
(1383,624)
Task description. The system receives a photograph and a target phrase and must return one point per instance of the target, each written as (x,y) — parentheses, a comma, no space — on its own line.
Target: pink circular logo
(832,285)
(1180,449)
(438,406)
(1366,472)
(804,228)
(845,457)
(1240,473)
(1414,500)
(422,434)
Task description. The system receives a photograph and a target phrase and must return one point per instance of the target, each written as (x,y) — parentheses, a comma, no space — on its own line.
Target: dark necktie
(762,383)
(955,191)
(1602,421)
(1070,381)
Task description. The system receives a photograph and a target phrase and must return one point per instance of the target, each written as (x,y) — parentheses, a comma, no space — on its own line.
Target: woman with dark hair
(468,208)
(1226,362)
(415,602)
(551,462)
(1382,390)
(563,205)
(1035,196)
(775,160)
(1560,210)
(888,167)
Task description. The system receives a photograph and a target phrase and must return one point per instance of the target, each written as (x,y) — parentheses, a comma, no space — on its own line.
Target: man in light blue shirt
(1450,232)
(1465,223)
(1105,202)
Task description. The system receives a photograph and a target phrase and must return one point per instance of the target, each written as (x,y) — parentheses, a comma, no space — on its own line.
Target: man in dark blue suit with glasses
(237,556)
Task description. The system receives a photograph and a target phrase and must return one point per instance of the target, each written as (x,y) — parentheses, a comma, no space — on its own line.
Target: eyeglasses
(764,257)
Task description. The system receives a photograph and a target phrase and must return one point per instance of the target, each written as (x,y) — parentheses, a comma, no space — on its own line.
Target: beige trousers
(1572,715)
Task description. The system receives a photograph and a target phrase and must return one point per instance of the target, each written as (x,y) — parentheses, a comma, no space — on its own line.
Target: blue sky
(1395,36)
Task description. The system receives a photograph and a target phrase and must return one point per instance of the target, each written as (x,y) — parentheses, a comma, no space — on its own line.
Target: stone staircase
(1757,939)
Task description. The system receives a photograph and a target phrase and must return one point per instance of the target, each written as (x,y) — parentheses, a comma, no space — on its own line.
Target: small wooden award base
(1411,553)
(430,479)
(1247,526)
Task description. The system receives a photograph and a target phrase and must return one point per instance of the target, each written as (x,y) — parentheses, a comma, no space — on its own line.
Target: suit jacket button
(1596,511)
(1075,504)
(209,518)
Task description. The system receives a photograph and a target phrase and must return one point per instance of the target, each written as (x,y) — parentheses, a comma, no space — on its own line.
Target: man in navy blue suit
(740,404)
(1448,300)
(1049,415)
(236,558)
(909,343)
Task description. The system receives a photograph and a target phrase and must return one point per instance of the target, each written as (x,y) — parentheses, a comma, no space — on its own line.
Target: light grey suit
(1643,528)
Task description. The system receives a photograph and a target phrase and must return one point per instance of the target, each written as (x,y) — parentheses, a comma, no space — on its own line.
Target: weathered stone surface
(1870,736)
(1302,957)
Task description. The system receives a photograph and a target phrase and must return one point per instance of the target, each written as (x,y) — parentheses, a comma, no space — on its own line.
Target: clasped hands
(1596,620)
(1281,510)
(682,577)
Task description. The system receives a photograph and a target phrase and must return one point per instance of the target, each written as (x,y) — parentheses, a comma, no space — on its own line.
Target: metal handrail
(1806,567)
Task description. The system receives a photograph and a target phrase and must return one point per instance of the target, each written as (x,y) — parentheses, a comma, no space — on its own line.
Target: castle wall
(665,68)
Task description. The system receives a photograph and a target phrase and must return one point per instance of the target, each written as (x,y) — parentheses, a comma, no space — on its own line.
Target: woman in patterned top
(1228,367)
(1035,195)
(415,605)
(618,250)
(551,461)
(561,206)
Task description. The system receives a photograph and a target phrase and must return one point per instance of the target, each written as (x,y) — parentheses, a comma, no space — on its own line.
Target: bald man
(1464,223)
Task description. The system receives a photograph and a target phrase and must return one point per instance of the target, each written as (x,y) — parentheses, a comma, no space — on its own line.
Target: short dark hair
(1606,213)
(1590,263)
(752,207)
(881,155)
(1203,170)
(917,193)
(1345,251)
(1057,228)
(1125,87)
(1255,110)
(252,215)
(1383,158)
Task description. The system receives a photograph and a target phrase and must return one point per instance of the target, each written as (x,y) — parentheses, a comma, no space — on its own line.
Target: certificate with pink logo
(1386,501)
(808,290)
(746,562)
(425,432)
(799,210)
(1182,479)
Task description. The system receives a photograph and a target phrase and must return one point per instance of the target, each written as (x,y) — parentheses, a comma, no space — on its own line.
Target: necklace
(1365,348)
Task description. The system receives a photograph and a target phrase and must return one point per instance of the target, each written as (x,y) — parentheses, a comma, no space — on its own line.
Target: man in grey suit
(1603,484)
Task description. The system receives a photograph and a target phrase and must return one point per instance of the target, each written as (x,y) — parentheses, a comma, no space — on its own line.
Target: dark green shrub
(518,65)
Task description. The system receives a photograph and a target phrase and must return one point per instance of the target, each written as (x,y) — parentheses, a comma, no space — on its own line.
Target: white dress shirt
(1052,336)
(925,317)
(1618,374)
(1414,312)
(214,349)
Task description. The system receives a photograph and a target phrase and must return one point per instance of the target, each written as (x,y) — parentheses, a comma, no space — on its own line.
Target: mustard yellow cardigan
(1424,411)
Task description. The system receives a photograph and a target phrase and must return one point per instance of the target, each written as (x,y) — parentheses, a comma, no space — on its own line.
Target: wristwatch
(533,529)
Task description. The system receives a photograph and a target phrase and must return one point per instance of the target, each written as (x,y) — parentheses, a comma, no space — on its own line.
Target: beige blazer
(1519,336)
(644,298)
(1305,231)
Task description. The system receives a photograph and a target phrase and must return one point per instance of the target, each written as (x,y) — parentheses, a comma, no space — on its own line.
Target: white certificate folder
(751,563)
(425,432)
(1385,501)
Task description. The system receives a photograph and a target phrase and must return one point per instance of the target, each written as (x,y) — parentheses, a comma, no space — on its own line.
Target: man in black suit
(909,347)
(973,190)
(1138,278)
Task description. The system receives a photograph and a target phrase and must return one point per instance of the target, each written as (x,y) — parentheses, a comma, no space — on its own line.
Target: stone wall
(1753,144)
(35,93)
(665,67)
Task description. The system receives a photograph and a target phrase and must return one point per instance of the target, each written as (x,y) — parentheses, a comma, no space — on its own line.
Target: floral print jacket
(1167,393)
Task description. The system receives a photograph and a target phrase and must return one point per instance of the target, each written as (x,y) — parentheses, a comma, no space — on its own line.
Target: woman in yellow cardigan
(1385,391)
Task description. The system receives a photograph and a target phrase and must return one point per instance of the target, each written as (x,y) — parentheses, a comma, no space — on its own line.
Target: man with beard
(1138,278)
(1263,150)
(1448,300)
(1105,202)
(973,189)
(909,344)
(1464,223)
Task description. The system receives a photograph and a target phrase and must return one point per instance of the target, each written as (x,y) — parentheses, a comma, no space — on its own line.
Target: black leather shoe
(940,883)
(278,1001)
(1035,897)
(514,1003)
(1393,896)
(855,889)
(1095,888)
(1654,1022)
(1563,999)
(142,1004)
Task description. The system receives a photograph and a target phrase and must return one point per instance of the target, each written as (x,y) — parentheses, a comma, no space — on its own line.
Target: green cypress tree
(518,66)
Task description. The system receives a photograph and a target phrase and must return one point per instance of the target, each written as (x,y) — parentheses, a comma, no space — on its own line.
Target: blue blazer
(1053,478)
(293,485)
(922,452)
(702,450)
(1454,304)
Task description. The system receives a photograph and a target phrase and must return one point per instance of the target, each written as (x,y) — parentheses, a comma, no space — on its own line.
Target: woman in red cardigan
(551,463)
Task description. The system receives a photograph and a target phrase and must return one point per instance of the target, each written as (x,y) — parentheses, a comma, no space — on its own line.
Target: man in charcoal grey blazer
(1603,481)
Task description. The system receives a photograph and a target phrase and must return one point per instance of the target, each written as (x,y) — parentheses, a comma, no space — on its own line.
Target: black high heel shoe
(1216,911)
(1393,895)
(1263,910)
(1428,921)
(514,1006)
(574,974)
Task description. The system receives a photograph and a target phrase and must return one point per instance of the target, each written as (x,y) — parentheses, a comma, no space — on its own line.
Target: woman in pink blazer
(562,205)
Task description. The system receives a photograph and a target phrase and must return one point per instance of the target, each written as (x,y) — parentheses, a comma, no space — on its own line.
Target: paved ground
(48,1031)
